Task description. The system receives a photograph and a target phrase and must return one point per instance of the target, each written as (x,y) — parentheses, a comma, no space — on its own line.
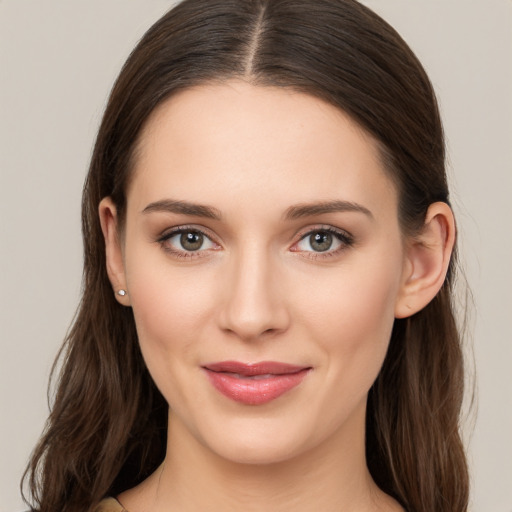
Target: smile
(254,384)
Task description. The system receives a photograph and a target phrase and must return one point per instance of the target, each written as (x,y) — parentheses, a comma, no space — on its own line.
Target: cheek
(352,317)
(354,298)
(171,309)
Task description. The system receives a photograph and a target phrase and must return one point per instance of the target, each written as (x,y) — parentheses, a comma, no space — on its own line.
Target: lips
(254,384)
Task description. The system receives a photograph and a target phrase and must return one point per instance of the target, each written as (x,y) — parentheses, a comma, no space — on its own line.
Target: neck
(332,477)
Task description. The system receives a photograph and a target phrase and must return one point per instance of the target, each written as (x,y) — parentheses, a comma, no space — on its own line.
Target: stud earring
(122,293)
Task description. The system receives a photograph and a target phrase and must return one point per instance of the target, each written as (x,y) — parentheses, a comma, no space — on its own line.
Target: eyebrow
(310,209)
(293,212)
(183,207)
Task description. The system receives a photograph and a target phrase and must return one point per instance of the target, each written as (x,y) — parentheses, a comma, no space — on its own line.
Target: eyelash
(345,239)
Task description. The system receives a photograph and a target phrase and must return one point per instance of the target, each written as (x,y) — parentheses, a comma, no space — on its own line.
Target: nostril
(254,328)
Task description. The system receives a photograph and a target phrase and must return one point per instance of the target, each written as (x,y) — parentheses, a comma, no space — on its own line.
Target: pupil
(191,241)
(321,241)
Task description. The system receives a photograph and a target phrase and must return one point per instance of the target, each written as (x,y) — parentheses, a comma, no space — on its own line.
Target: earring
(122,293)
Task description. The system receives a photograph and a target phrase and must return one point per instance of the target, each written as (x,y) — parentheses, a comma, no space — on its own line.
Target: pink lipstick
(254,384)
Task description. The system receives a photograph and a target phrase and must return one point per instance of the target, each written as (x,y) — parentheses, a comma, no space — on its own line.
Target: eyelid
(166,233)
(301,234)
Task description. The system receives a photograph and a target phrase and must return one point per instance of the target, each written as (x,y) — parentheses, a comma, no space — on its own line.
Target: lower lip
(255,390)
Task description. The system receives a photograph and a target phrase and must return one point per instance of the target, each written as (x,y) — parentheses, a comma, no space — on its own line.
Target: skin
(257,290)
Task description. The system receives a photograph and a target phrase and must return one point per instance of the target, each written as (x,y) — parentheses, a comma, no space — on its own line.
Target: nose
(254,303)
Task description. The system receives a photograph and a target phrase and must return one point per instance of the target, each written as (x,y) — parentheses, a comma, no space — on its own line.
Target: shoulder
(109,505)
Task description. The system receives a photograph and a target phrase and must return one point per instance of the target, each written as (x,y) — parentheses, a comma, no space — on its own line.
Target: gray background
(58,60)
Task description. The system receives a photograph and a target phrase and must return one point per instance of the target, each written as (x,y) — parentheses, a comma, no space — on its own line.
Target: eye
(186,240)
(325,240)
(320,241)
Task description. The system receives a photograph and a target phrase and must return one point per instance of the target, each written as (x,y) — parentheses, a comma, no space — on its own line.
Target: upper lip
(251,369)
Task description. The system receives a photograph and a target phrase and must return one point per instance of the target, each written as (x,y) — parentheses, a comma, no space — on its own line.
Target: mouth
(254,384)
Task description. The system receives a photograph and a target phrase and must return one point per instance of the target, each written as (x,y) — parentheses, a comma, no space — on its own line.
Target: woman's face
(261,228)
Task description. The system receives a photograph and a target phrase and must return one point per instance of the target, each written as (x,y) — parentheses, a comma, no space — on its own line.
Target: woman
(269,256)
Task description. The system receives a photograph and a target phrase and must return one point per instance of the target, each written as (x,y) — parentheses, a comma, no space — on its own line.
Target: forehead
(214,143)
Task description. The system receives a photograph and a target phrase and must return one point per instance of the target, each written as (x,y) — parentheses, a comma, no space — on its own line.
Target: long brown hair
(107,427)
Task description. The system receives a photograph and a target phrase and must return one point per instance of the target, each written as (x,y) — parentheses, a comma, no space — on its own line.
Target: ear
(113,250)
(426,261)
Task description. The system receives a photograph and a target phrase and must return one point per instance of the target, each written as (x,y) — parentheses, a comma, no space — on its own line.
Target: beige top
(110,505)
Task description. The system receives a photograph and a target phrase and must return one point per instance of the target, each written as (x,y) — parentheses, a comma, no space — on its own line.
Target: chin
(257,451)
(261,440)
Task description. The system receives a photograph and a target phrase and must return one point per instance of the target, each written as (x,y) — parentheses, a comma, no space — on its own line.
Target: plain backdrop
(58,60)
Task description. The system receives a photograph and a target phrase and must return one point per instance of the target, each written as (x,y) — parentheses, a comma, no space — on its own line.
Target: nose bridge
(253,304)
